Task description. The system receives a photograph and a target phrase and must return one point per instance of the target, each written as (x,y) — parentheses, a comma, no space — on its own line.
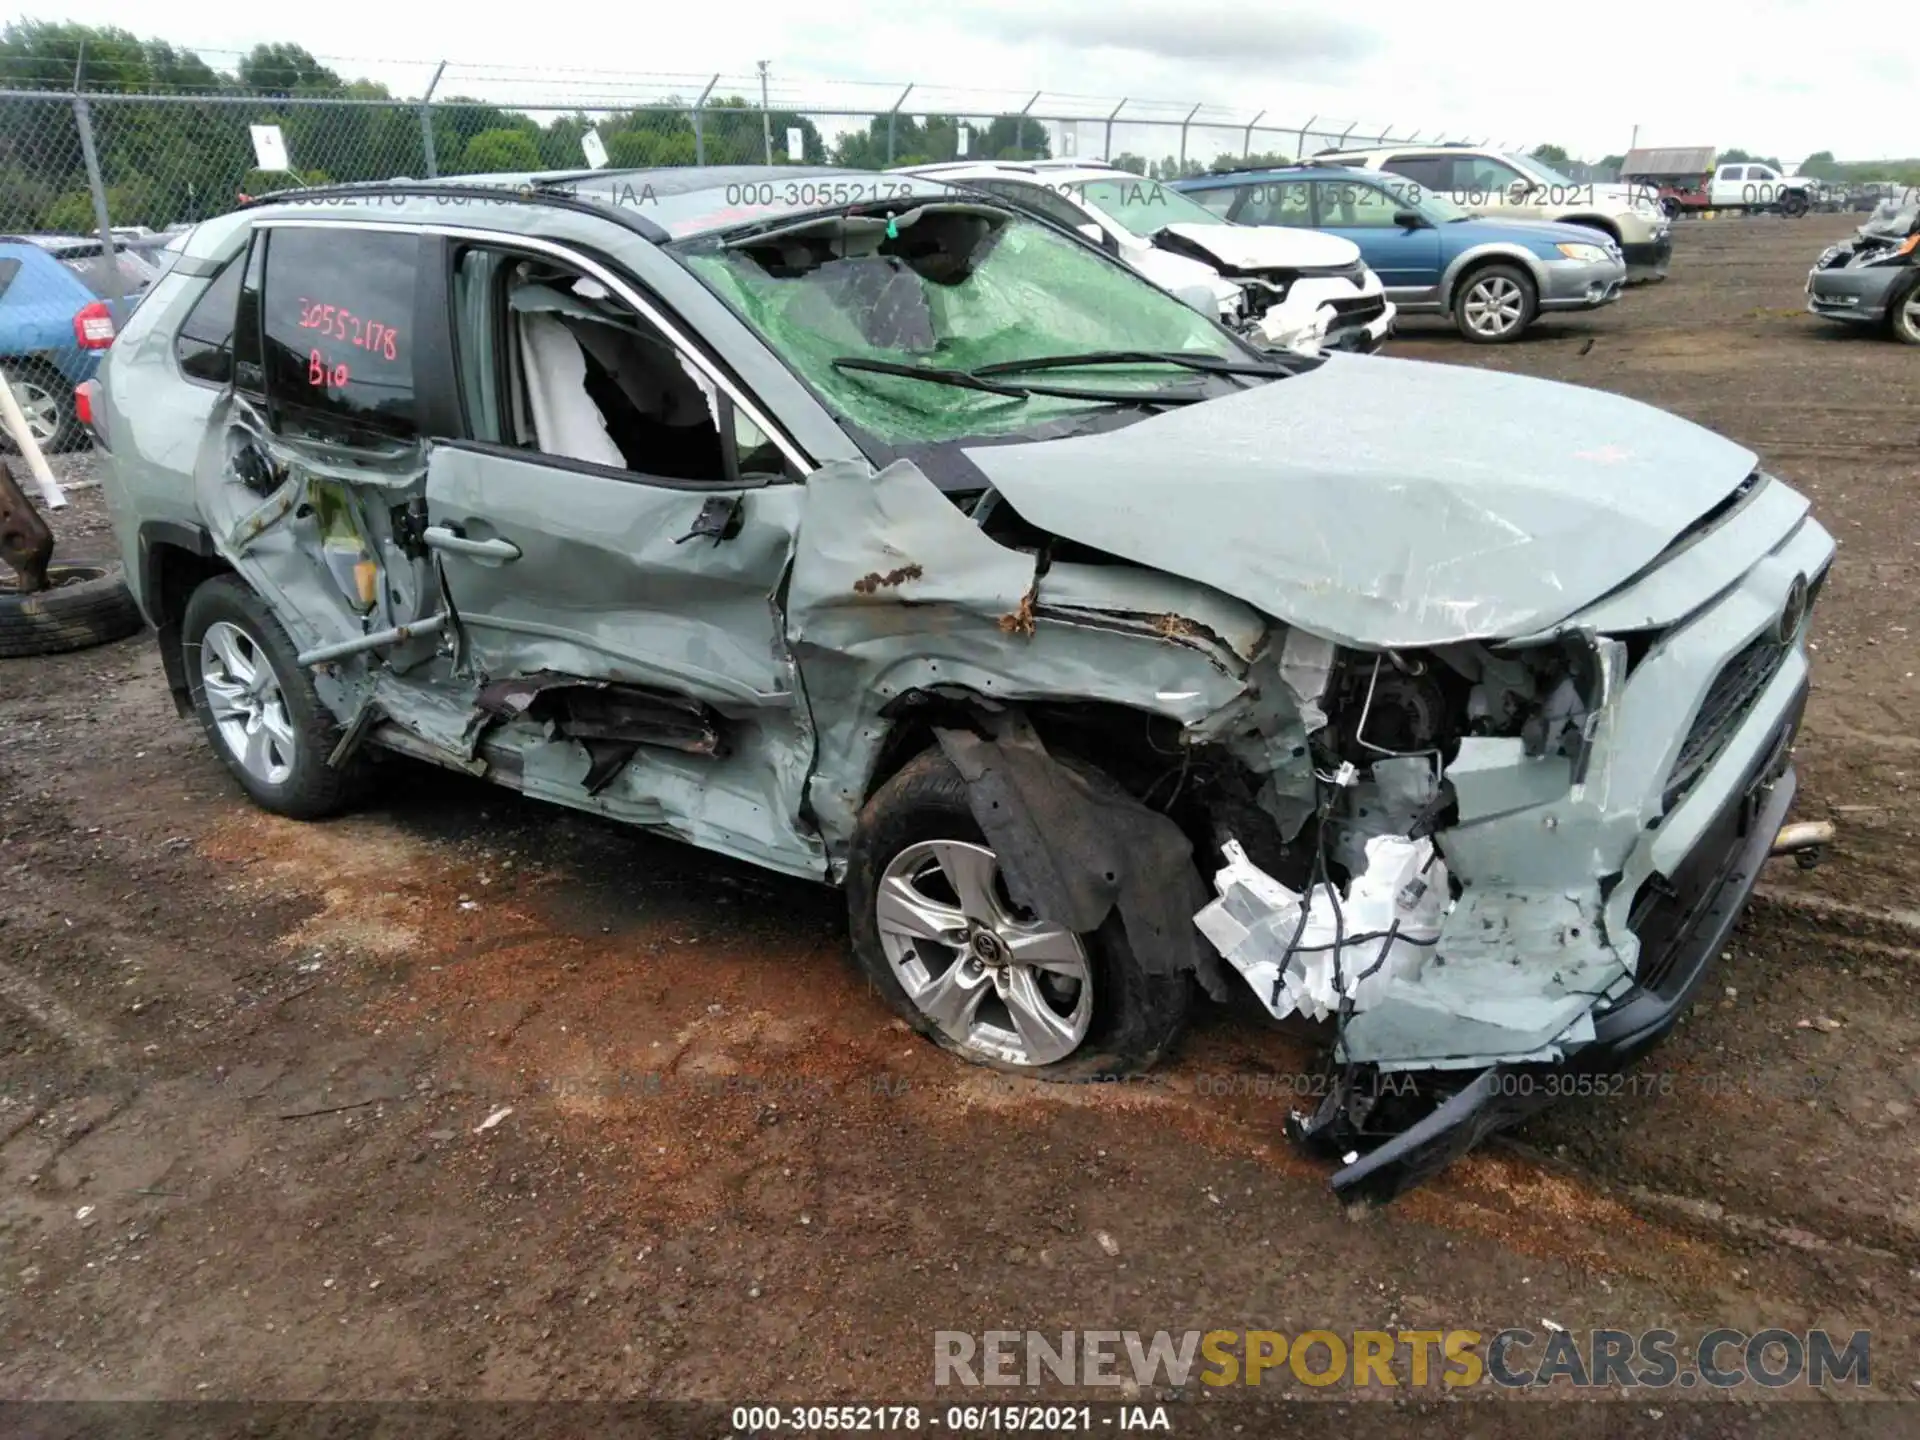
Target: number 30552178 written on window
(336,322)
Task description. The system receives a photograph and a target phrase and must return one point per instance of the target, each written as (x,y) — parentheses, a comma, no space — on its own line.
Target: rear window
(8,269)
(95,272)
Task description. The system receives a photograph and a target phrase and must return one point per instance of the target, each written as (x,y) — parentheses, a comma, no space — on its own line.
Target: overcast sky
(1778,76)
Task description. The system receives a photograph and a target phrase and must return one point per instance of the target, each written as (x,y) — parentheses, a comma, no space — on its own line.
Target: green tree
(559,142)
(1267,160)
(1016,137)
(1128,161)
(867,149)
(460,119)
(650,149)
(282,70)
(1822,166)
(734,134)
(492,151)
(1551,155)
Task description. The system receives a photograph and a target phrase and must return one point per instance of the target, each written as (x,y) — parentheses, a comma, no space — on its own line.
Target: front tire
(936,933)
(1794,204)
(1495,304)
(1903,312)
(258,706)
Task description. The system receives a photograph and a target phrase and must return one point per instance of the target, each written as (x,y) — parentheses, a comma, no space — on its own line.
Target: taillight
(83,401)
(93,326)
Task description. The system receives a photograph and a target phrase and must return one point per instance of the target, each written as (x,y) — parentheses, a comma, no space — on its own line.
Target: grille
(1359,309)
(1731,695)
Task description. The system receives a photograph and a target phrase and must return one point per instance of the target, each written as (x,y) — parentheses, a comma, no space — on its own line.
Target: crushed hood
(1174,273)
(1266,247)
(1386,502)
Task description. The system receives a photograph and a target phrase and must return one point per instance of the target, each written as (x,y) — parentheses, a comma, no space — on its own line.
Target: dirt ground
(245,1063)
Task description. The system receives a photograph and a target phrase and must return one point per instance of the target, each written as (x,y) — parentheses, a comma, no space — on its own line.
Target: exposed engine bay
(1332,885)
(1434,858)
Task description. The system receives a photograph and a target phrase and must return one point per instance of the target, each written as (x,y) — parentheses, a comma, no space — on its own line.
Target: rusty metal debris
(871,584)
(26,543)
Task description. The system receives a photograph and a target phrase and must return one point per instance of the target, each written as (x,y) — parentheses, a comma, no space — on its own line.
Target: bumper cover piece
(1682,927)
(1859,295)
(1648,257)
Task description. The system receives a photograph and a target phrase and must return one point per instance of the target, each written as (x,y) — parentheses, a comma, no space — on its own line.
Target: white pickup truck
(1752,186)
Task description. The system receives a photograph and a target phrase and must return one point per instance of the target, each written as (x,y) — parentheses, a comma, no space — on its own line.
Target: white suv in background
(1518,187)
(1281,287)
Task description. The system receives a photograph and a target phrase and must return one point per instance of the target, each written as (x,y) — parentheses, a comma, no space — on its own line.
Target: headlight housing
(1588,254)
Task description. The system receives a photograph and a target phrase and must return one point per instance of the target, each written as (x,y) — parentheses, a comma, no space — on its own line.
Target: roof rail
(531,194)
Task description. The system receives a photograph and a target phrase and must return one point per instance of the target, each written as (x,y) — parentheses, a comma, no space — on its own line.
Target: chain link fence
(169,160)
(95,179)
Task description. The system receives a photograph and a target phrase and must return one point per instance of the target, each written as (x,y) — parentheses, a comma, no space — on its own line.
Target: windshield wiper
(1210,364)
(969,380)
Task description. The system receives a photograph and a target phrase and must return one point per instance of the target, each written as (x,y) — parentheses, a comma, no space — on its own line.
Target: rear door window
(8,269)
(1484,175)
(1278,202)
(337,331)
(1345,205)
(1219,201)
(1037,198)
(1432,171)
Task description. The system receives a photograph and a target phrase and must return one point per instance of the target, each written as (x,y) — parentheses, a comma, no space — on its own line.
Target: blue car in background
(56,321)
(1492,276)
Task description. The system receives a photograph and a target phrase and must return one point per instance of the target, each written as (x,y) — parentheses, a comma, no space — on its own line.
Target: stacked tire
(86,603)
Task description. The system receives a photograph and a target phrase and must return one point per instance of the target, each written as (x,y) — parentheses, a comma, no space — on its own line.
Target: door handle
(441,537)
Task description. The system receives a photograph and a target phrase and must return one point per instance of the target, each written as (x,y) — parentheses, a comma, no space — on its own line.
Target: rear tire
(46,396)
(258,706)
(1495,304)
(912,828)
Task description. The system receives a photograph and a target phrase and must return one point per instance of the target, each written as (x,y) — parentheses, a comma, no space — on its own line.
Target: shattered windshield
(1144,206)
(953,287)
(1891,218)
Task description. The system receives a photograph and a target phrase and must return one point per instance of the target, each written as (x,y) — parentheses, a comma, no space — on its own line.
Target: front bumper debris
(1649,259)
(1363,1121)
(1860,296)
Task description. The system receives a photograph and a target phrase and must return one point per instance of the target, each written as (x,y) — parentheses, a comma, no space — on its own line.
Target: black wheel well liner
(1076,839)
(1135,747)
(175,560)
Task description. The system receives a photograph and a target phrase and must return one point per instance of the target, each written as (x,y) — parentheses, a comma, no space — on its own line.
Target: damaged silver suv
(872,532)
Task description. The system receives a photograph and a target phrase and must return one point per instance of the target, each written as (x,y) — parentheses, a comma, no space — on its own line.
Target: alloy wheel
(248,707)
(1494,305)
(999,984)
(41,408)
